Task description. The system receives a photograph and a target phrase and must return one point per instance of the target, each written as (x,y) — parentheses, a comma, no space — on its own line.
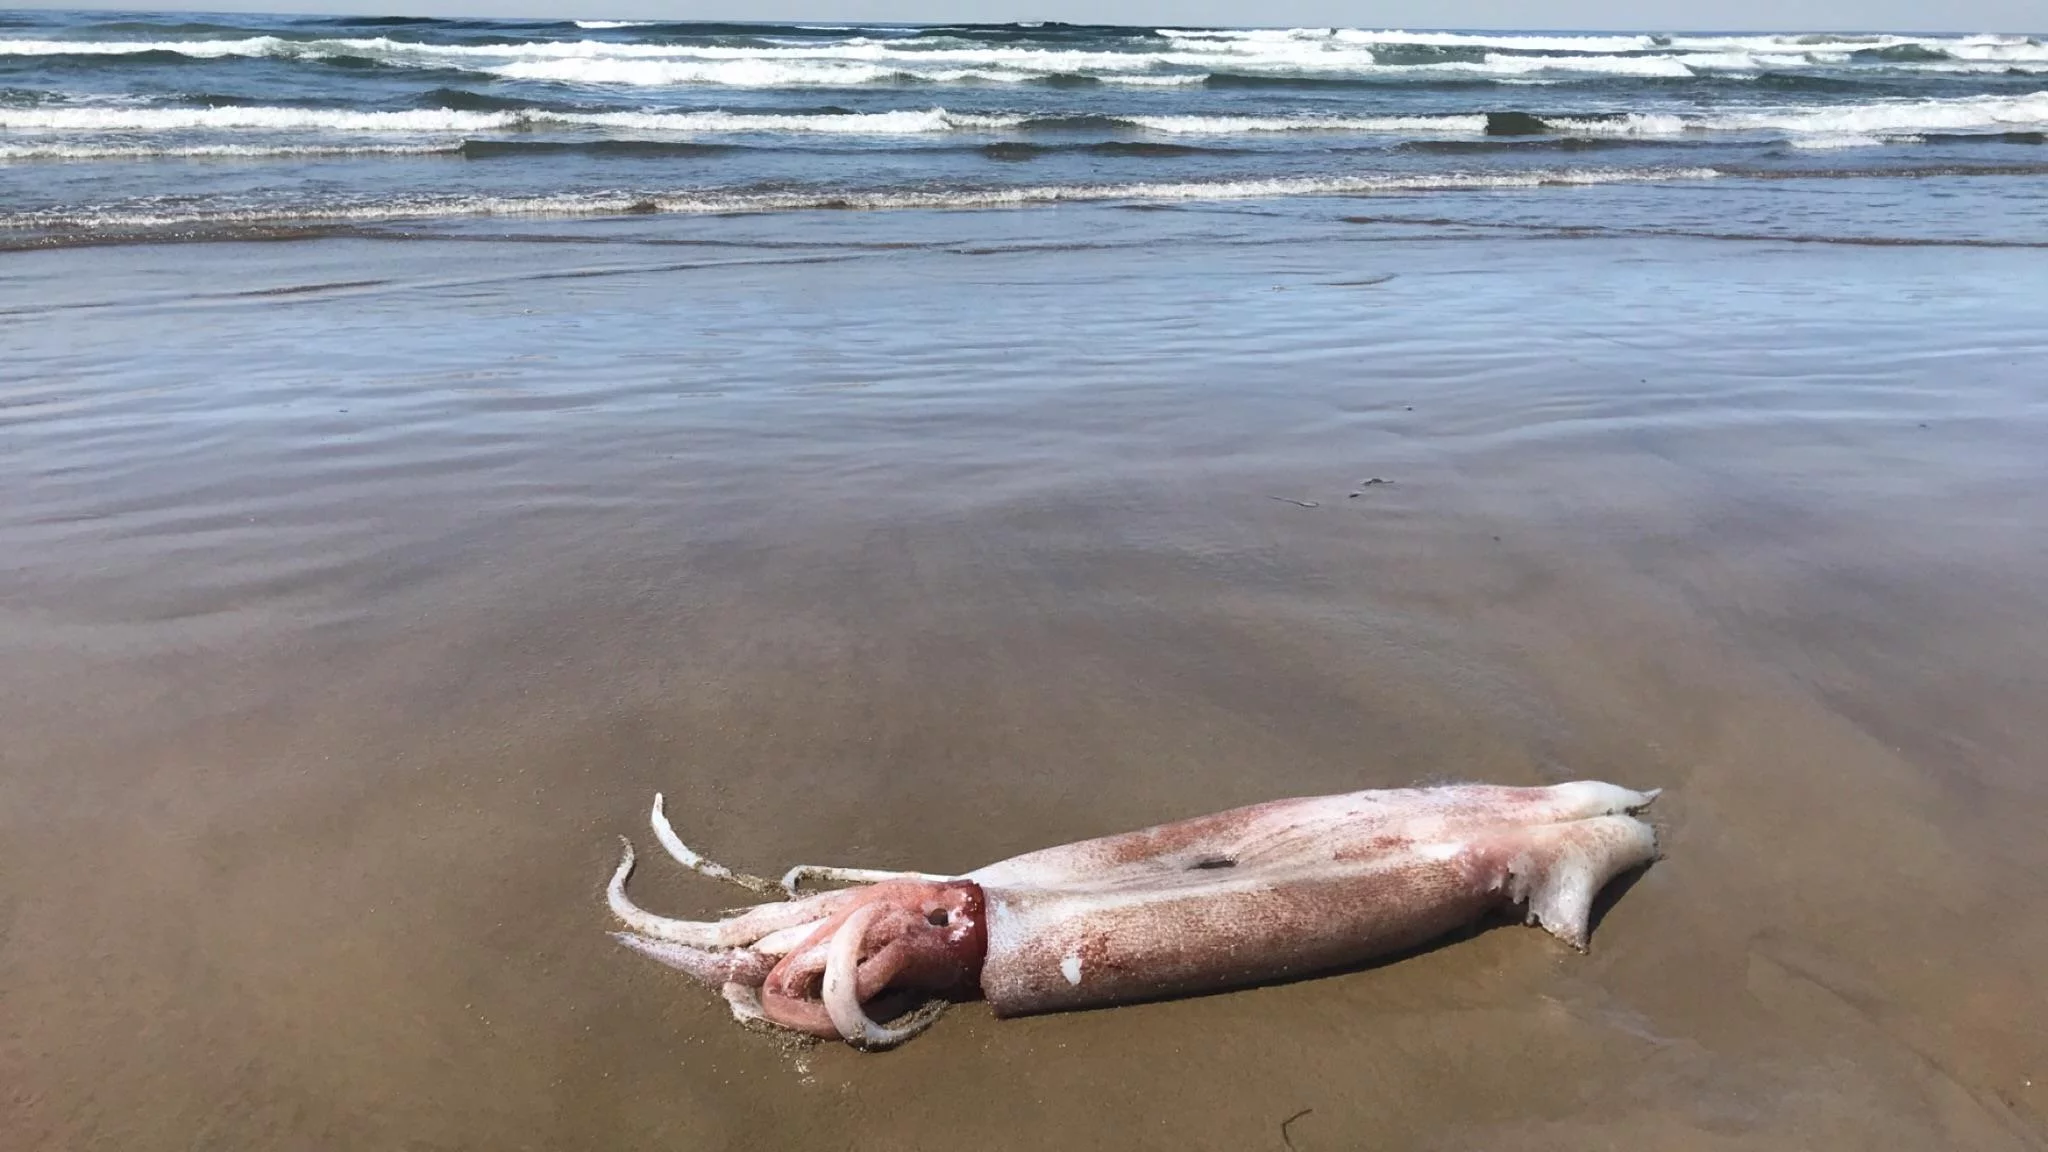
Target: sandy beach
(356,595)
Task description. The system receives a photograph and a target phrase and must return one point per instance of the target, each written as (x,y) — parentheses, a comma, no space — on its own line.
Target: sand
(343,631)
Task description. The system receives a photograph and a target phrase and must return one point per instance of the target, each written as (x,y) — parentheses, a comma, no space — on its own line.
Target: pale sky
(1631,15)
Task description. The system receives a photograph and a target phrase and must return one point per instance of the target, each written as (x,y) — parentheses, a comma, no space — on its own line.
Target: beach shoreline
(357,594)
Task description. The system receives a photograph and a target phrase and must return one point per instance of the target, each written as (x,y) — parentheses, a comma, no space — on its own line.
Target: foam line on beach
(716,201)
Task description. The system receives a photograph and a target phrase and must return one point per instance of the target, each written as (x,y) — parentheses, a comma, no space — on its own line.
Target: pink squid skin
(1273,891)
(1294,887)
(927,935)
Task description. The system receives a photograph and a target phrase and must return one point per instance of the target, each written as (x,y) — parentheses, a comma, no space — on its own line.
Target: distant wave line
(1953,115)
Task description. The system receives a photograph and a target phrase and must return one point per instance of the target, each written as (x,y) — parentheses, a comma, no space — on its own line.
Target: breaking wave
(286,119)
(757,58)
(1955,115)
(212,151)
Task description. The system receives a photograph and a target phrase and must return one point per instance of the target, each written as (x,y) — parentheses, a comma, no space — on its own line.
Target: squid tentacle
(646,923)
(696,862)
(795,1012)
(709,966)
(783,941)
(844,977)
(736,931)
(792,880)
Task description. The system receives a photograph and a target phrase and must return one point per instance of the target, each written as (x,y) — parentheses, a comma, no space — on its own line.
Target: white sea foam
(1699,62)
(596,25)
(1998,49)
(249,46)
(1184,57)
(1235,125)
(668,73)
(1886,118)
(1635,124)
(900,123)
(904,123)
(1960,114)
(1989,47)
(1832,143)
(713,201)
(756,73)
(262,119)
(439,121)
(1596,65)
(1222,37)
(70,151)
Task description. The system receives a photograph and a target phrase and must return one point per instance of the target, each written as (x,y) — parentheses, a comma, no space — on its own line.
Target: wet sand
(343,629)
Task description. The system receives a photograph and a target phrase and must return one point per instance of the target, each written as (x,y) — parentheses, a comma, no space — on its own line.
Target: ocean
(147,126)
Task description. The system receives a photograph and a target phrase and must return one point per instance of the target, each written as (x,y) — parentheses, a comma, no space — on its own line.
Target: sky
(1632,15)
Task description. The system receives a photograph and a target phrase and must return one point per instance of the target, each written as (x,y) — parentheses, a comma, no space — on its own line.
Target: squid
(1283,890)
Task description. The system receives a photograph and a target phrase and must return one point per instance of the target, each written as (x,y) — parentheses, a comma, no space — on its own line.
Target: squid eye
(937,917)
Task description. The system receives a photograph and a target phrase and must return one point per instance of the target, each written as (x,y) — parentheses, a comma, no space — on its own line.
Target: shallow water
(356,593)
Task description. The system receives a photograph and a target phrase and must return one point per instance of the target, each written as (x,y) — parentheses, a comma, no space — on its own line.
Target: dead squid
(1279,890)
